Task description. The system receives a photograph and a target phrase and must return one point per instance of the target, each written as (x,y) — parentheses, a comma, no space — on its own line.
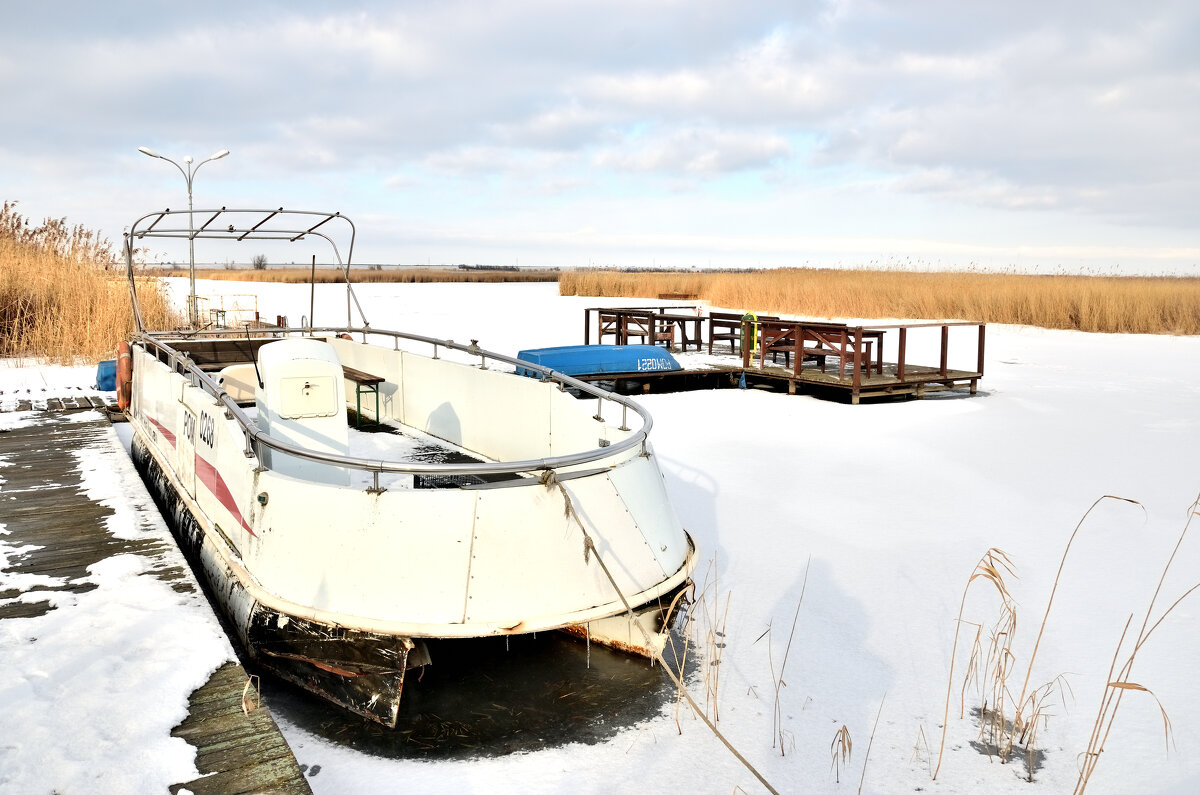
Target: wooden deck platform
(820,357)
(919,381)
(45,508)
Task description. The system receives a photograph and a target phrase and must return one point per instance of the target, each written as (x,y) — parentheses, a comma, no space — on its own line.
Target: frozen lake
(878,514)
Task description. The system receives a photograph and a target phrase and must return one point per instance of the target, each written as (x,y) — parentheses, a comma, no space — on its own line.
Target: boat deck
(62,532)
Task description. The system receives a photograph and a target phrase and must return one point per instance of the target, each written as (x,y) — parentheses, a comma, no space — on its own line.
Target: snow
(112,668)
(886,506)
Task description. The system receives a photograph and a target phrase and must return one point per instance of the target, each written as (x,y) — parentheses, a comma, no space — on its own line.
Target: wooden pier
(46,511)
(824,358)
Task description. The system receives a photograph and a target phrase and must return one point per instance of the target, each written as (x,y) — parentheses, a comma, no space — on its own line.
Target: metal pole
(192,319)
(188,174)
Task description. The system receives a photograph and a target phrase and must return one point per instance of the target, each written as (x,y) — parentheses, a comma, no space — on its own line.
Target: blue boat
(599,359)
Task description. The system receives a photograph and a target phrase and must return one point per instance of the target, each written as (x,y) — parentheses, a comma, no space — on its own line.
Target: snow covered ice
(888,506)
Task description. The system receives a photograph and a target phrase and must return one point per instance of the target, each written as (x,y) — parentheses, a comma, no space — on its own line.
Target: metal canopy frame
(238,225)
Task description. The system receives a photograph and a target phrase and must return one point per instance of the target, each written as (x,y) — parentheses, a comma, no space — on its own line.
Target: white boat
(539,511)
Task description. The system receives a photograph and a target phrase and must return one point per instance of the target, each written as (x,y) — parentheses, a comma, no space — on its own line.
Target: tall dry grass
(1139,305)
(1121,669)
(325,275)
(1010,726)
(62,295)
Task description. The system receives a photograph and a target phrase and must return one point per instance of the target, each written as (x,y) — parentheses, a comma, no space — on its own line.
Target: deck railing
(256,438)
(858,347)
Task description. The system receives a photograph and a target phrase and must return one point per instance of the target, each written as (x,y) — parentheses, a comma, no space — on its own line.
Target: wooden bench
(668,322)
(609,323)
(763,339)
(728,326)
(364,383)
(832,341)
(645,324)
(725,327)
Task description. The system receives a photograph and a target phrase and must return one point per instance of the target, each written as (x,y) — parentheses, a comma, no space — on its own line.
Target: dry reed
(991,568)
(990,668)
(62,296)
(1118,681)
(777,732)
(1019,720)
(991,671)
(920,743)
(326,275)
(704,621)
(870,741)
(1143,305)
(251,695)
(840,749)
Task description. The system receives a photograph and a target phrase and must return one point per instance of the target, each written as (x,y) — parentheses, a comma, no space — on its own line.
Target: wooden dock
(46,512)
(822,358)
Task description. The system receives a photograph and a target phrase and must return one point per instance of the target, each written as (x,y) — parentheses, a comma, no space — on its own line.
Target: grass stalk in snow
(919,744)
(1038,715)
(716,648)
(990,568)
(1118,681)
(1019,720)
(990,670)
(993,724)
(708,607)
(840,749)
(777,732)
(870,741)
(681,655)
(990,667)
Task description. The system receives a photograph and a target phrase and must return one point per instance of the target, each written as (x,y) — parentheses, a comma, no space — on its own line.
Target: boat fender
(124,376)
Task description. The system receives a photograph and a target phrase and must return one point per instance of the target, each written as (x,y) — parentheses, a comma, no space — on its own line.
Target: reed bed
(62,295)
(326,275)
(1134,305)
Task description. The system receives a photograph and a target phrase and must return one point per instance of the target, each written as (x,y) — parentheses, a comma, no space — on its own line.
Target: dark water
(481,698)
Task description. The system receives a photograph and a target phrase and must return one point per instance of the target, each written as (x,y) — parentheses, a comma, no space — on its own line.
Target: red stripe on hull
(212,480)
(170,437)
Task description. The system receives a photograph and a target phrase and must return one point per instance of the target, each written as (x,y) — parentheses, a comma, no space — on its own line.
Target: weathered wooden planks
(236,751)
(43,507)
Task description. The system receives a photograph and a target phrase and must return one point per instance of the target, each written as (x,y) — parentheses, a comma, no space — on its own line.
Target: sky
(918,134)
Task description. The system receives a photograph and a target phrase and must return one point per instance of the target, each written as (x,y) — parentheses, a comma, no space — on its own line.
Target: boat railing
(256,438)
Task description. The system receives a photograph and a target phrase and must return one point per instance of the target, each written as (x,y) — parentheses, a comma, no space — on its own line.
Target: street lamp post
(188,174)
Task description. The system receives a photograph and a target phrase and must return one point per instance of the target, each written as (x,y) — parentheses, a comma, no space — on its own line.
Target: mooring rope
(549,479)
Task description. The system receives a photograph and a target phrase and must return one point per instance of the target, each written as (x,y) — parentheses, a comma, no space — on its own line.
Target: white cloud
(1085,110)
(693,152)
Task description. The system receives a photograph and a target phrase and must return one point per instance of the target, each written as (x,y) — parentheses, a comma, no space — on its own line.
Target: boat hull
(334,555)
(599,359)
(358,670)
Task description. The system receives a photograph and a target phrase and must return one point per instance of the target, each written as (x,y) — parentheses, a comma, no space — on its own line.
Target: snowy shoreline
(893,504)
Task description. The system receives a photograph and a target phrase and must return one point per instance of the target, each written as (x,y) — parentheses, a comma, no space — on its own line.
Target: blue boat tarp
(599,359)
